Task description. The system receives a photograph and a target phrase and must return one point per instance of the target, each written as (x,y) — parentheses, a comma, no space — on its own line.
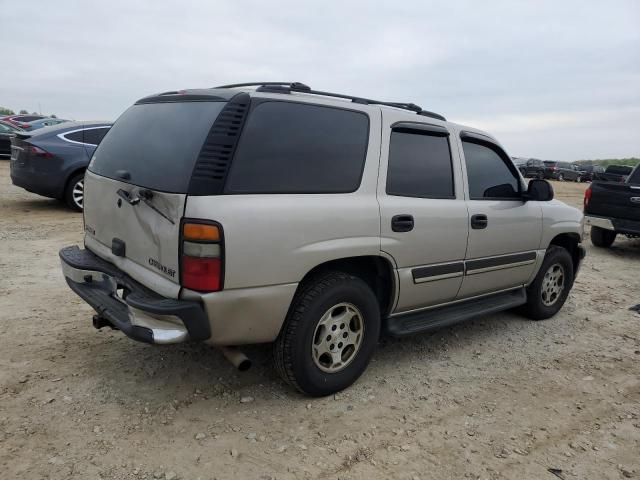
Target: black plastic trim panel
(500,261)
(211,168)
(437,270)
(425,128)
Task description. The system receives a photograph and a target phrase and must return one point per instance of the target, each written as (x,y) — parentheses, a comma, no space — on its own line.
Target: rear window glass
(157,144)
(28,118)
(298,148)
(619,169)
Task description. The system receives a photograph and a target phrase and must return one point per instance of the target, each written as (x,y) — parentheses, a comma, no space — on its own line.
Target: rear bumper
(129,306)
(619,225)
(36,183)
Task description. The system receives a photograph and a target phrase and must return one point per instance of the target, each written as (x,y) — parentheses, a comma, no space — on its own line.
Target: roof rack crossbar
(301,87)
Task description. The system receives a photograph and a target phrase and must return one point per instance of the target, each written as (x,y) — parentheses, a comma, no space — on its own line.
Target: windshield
(550,164)
(157,144)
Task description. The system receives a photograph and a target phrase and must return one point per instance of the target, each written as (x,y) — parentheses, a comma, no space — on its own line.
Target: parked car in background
(22,121)
(611,208)
(588,172)
(7,130)
(43,122)
(561,171)
(614,173)
(51,161)
(534,168)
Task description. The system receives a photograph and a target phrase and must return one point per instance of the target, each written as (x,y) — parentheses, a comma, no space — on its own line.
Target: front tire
(601,237)
(74,193)
(329,335)
(549,290)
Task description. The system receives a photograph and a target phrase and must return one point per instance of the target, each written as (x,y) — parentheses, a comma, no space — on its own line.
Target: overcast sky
(556,79)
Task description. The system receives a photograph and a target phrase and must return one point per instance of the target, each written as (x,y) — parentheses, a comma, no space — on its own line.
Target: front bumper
(130,306)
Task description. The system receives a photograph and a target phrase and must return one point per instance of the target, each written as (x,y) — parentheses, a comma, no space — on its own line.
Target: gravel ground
(497,398)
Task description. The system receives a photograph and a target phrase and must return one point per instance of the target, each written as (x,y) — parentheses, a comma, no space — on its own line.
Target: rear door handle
(478,222)
(402,223)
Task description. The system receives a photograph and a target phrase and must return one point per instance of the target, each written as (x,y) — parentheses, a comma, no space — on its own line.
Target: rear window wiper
(145,196)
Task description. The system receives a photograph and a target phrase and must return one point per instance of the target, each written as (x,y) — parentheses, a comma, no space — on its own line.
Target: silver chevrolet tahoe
(271,212)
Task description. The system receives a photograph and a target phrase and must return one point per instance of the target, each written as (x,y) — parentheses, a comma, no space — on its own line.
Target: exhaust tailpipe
(236,358)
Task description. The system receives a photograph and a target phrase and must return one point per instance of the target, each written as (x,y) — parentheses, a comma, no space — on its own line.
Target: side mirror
(539,190)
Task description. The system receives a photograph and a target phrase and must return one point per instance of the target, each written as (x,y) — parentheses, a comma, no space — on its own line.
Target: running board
(432,319)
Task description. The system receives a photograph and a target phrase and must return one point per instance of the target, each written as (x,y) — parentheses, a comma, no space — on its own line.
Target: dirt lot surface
(497,398)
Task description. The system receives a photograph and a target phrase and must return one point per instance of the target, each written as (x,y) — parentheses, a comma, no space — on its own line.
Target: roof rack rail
(288,87)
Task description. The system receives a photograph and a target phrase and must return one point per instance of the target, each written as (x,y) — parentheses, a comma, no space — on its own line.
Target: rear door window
(156,144)
(289,147)
(419,165)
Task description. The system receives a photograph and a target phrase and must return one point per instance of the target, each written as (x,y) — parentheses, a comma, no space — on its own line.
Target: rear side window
(488,174)
(419,165)
(291,147)
(76,136)
(156,144)
(94,136)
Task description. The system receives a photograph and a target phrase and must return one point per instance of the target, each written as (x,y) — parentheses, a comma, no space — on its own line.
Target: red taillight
(587,196)
(39,152)
(202,256)
(202,274)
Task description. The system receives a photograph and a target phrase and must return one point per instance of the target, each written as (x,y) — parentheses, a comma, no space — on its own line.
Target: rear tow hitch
(99,322)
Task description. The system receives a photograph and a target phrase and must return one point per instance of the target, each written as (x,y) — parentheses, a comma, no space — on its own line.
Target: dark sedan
(51,161)
(7,130)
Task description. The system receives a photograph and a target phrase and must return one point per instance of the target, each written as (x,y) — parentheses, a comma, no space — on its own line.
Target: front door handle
(478,222)
(402,223)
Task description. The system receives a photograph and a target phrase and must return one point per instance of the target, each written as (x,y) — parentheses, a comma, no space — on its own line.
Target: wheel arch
(376,270)
(72,173)
(569,241)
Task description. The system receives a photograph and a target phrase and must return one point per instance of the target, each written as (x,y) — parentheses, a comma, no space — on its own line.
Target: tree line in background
(633,161)
(8,111)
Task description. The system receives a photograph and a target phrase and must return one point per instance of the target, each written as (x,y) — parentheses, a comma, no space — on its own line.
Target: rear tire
(74,193)
(329,309)
(549,290)
(601,237)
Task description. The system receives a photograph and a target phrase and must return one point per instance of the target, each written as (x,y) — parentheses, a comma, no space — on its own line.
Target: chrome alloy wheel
(77,194)
(337,337)
(552,284)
